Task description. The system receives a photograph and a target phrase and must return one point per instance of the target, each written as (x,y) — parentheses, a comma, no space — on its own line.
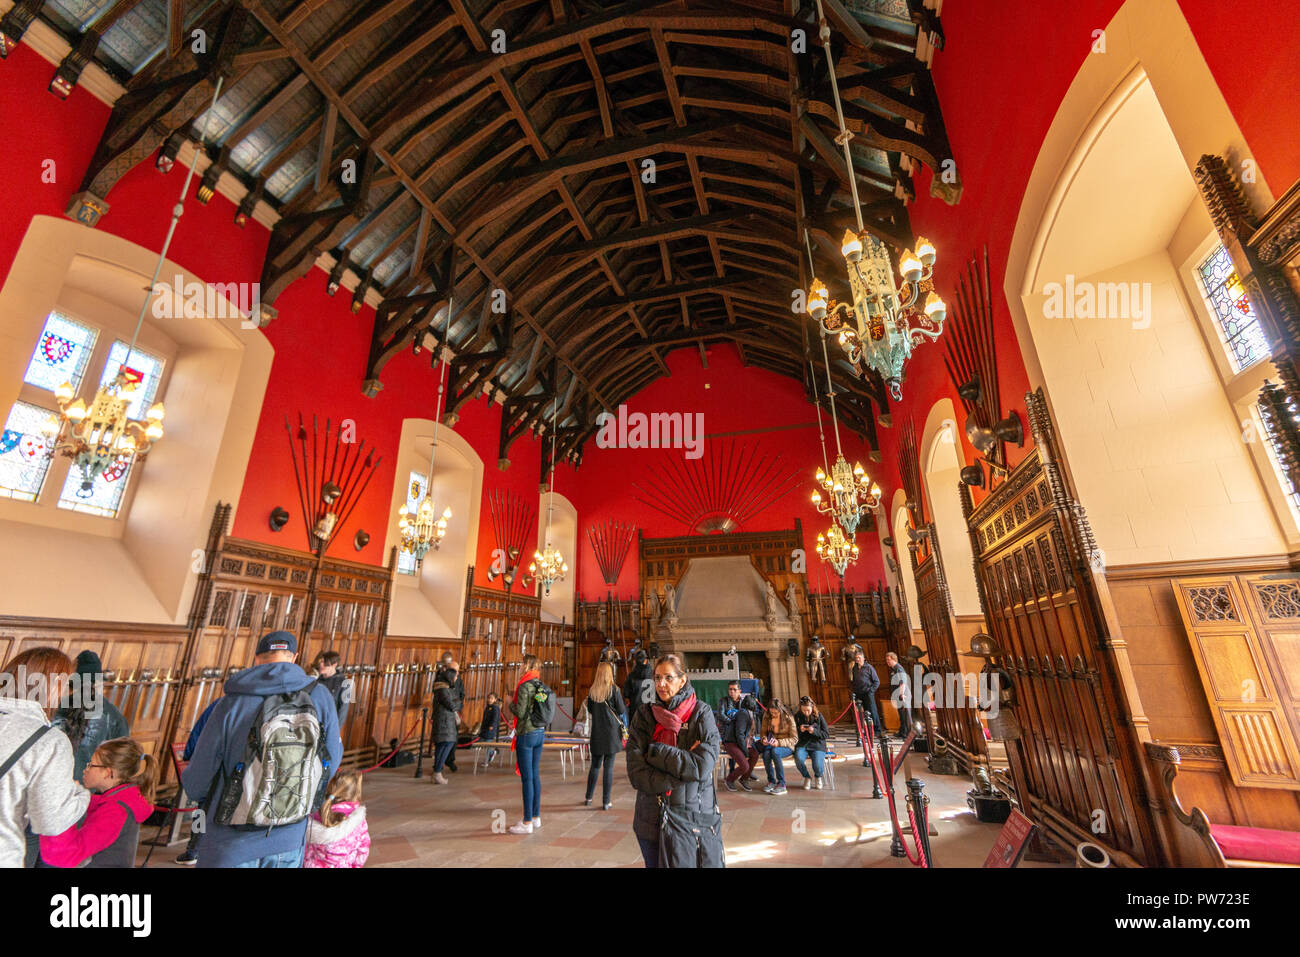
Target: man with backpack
(255,810)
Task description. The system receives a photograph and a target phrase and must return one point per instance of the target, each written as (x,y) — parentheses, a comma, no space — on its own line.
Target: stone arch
(941,463)
(1149,437)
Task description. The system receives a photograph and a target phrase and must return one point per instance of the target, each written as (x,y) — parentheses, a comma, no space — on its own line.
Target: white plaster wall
(941,475)
(558,605)
(431,604)
(144,566)
(1154,447)
(899,511)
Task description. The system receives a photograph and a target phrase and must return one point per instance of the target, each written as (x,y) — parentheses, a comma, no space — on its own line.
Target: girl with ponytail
(122,779)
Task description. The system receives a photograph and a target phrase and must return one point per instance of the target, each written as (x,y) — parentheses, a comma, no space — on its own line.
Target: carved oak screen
(1076,765)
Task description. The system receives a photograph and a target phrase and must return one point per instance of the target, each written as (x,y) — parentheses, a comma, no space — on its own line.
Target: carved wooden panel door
(1245,635)
(956,721)
(1077,764)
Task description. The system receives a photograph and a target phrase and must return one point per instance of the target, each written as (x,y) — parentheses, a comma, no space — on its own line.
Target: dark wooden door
(1076,766)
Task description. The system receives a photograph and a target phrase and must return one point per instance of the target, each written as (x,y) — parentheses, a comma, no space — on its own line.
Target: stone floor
(415,823)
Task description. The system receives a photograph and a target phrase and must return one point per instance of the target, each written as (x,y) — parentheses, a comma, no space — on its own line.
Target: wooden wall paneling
(1252,698)
(957,722)
(1078,765)
(142,664)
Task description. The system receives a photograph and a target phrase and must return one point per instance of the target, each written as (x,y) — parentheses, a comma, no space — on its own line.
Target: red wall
(320,346)
(1000,81)
(738,399)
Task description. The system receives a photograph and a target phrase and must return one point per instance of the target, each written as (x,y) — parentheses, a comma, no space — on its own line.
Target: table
(566,750)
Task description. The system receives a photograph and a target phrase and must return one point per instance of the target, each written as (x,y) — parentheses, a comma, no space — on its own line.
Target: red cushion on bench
(1257,844)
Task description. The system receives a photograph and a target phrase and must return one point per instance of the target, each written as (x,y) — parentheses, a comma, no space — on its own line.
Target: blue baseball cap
(277,641)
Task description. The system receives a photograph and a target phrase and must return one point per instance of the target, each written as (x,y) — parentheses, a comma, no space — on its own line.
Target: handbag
(622,728)
(690,838)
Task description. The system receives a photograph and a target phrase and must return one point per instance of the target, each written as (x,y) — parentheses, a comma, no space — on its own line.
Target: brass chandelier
(851,492)
(98,437)
(548,565)
(424,528)
(878,327)
(837,550)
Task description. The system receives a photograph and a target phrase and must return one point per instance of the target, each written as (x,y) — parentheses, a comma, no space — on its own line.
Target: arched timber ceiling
(588,184)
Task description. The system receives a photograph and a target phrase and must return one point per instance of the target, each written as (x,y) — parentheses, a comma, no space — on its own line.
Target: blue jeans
(441,751)
(818,760)
(649,852)
(772,761)
(528,752)
(286,859)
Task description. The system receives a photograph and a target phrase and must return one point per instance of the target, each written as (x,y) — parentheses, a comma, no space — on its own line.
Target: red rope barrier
(844,712)
(868,740)
(394,751)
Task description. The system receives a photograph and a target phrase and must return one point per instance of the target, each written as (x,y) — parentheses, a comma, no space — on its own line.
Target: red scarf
(514,722)
(669,722)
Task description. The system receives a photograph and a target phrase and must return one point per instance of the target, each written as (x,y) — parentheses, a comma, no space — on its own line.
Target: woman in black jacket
(447,701)
(606,716)
(672,750)
(812,741)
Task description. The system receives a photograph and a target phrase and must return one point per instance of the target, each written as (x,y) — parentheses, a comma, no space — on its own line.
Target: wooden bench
(1198,842)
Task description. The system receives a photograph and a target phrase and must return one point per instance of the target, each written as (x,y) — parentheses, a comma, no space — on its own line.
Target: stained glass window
(104,497)
(1242,336)
(23,462)
(1275,457)
(415,487)
(147,368)
(61,353)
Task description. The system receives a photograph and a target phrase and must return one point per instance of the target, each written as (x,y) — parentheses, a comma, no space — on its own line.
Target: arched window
(905,573)
(1240,352)
(428,600)
(133,541)
(85,356)
(941,465)
(564,536)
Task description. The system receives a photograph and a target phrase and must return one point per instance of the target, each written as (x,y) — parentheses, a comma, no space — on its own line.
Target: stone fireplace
(723,602)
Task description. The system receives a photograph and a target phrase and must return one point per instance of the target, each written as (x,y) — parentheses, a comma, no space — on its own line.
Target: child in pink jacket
(122,779)
(337,835)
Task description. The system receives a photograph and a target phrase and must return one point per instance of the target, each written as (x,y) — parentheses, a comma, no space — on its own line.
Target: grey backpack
(285,768)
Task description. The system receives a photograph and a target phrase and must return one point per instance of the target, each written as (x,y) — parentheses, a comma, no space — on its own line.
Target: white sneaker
(537,823)
(807,784)
(523,827)
(819,784)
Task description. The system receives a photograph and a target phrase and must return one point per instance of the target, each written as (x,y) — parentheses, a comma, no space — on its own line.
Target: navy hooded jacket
(221,746)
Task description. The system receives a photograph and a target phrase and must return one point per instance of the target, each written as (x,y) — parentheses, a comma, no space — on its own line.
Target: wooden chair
(1200,843)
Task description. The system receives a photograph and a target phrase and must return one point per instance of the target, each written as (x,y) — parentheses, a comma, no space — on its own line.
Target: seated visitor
(122,779)
(489,726)
(778,740)
(736,727)
(812,741)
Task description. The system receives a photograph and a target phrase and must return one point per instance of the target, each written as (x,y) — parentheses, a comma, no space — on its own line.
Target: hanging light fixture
(548,565)
(851,492)
(99,437)
(836,549)
(878,327)
(423,528)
